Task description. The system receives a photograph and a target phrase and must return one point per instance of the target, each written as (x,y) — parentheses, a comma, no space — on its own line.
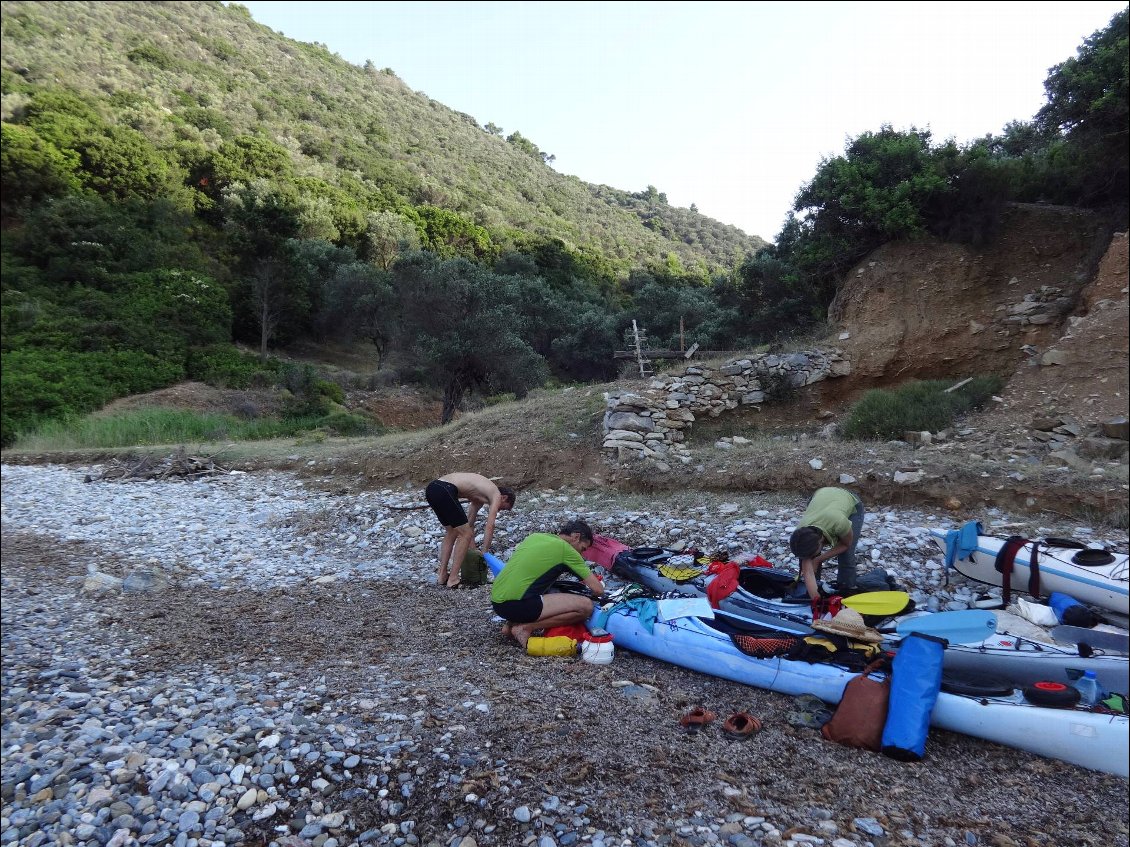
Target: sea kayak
(1025,661)
(1092,740)
(1096,577)
(1021,661)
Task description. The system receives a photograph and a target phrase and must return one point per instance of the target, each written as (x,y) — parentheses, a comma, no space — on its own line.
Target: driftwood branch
(178,465)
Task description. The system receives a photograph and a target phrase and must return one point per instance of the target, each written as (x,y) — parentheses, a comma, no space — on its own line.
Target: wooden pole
(681,333)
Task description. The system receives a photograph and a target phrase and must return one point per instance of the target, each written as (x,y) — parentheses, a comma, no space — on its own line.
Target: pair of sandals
(739,726)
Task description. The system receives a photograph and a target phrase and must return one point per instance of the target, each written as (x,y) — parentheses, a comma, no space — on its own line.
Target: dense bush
(38,385)
(225,366)
(916,407)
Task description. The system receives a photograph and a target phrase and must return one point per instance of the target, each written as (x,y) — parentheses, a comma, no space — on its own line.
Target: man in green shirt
(834,518)
(518,592)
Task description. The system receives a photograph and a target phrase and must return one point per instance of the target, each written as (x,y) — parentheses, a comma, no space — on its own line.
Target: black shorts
(526,610)
(443,497)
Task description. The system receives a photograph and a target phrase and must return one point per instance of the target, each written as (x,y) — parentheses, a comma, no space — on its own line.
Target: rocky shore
(253,659)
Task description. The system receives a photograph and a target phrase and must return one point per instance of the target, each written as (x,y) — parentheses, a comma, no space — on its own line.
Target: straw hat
(849,623)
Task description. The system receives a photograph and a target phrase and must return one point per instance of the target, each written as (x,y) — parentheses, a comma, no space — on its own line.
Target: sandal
(741,725)
(696,719)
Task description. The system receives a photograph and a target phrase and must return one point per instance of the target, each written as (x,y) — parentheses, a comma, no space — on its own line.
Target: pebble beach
(253,658)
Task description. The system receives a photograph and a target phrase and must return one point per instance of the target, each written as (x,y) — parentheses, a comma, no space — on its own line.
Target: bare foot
(506,628)
(521,634)
(441,578)
(455,584)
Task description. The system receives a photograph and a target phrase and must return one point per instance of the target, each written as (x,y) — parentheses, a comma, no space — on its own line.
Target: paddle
(494,563)
(878,603)
(767,621)
(1110,642)
(968,626)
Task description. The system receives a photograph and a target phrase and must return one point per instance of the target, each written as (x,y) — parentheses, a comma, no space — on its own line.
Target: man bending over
(443,495)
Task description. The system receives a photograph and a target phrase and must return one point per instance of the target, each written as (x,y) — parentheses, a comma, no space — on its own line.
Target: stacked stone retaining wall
(650,423)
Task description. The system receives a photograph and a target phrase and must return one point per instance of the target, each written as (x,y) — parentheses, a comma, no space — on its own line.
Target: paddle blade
(878,603)
(494,563)
(969,626)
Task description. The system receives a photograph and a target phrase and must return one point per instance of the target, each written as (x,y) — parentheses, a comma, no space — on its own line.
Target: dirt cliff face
(1085,372)
(932,310)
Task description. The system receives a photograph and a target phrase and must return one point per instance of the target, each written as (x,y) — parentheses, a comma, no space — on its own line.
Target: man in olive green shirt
(834,518)
(518,592)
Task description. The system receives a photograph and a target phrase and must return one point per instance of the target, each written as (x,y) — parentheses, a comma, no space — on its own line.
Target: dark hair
(577,526)
(805,542)
(507,493)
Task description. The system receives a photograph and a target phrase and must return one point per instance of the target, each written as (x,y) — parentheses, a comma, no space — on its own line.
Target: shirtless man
(443,495)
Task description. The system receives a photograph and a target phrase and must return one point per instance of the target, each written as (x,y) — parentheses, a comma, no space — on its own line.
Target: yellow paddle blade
(878,602)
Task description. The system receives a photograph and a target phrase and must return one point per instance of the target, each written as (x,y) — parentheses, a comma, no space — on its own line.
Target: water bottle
(1088,688)
(555,645)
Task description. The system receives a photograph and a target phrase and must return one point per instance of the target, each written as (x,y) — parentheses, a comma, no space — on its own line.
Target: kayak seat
(736,626)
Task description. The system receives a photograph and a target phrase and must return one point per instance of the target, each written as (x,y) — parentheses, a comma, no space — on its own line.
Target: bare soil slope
(1084,372)
(928,309)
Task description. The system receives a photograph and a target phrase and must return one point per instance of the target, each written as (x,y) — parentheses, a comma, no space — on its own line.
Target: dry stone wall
(650,423)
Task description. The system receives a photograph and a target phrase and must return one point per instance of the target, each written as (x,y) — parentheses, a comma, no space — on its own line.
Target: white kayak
(1024,661)
(1097,741)
(1068,570)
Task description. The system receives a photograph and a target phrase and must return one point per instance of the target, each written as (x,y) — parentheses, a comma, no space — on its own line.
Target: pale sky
(730,106)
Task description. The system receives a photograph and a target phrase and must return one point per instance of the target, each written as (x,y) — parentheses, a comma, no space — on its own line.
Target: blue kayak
(702,643)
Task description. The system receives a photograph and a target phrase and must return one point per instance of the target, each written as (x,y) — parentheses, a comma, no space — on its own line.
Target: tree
(269,296)
(32,169)
(1089,107)
(261,221)
(387,235)
(350,299)
(450,234)
(359,303)
(463,327)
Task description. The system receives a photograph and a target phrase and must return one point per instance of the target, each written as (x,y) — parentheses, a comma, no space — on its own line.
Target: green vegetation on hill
(177,177)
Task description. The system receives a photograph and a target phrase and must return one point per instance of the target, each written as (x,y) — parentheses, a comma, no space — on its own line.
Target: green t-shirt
(537,562)
(829,511)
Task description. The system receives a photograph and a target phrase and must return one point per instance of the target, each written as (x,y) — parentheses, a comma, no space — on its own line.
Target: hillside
(196,74)
(995,459)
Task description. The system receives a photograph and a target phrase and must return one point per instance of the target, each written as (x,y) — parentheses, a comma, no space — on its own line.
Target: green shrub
(330,390)
(312,395)
(40,384)
(343,423)
(224,366)
(916,406)
(497,399)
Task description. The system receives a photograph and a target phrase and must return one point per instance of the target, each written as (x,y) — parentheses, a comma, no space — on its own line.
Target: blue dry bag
(916,678)
(1070,611)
